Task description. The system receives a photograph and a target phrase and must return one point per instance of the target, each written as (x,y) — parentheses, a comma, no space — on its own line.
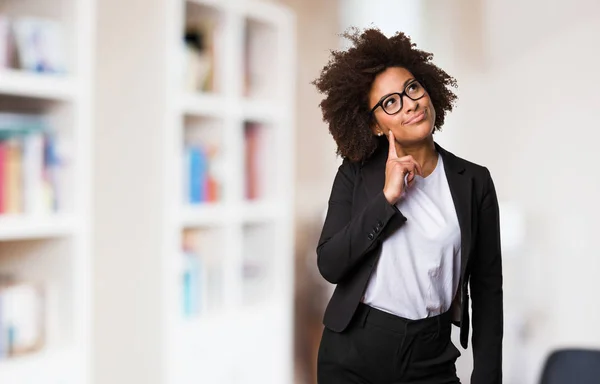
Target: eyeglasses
(392,103)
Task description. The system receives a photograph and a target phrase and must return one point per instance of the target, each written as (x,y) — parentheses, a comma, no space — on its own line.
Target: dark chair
(572,366)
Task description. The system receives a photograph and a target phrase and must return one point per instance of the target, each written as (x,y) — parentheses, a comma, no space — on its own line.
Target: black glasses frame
(401,96)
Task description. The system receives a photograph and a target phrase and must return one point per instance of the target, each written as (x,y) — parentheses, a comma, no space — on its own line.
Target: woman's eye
(389,102)
(414,87)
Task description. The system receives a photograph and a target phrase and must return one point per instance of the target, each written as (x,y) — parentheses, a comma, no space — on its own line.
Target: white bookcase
(53,249)
(243,331)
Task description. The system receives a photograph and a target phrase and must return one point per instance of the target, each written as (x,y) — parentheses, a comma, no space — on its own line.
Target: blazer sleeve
(486,292)
(345,239)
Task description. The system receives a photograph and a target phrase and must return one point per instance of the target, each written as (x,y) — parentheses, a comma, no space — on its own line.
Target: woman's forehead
(391,80)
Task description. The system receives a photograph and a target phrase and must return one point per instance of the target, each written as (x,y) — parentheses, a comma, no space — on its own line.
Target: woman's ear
(377,131)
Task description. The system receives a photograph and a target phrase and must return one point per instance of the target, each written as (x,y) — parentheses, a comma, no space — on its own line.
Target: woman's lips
(415,119)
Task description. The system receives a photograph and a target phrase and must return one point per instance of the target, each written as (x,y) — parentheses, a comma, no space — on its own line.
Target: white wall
(528,109)
(539,146)
(387,15)
(316,162)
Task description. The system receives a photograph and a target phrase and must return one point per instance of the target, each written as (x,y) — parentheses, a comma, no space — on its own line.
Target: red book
(251,137)
(212,192)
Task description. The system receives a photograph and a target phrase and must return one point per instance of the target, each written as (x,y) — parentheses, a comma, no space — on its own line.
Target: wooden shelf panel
(23,227)
(39,86)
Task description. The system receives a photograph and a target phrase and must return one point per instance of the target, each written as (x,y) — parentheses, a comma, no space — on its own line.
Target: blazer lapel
(460,189)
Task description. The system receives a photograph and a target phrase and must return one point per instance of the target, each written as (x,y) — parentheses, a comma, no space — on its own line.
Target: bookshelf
(45,130)
(235,247)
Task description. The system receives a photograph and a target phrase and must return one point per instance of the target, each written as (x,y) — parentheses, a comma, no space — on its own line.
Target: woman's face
(412,121)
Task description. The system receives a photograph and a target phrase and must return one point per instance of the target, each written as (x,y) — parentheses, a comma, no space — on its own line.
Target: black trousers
(378,347)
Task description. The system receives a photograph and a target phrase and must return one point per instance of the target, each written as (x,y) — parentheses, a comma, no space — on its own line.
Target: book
(251,137)
(12,180)
(197,176)
(260,167)
(22,318)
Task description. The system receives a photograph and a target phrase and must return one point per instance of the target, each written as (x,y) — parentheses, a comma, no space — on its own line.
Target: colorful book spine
(200,181)
(12,173)
(251,143)
(30,165)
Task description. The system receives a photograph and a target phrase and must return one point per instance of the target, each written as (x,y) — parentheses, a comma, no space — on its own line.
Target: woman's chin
(416,135)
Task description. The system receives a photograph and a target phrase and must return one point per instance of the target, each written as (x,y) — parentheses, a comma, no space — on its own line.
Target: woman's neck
(423,152)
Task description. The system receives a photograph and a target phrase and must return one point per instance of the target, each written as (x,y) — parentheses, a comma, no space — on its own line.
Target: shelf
(217,4)
(21,227)
(202,104)
(34,85)
(261,110)
(265,12)
(192,328)
(261,211)
(189,327)
(48,367)
(214,105)
(203,215)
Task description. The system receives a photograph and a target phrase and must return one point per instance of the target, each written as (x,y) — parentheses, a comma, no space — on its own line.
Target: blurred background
(164,172)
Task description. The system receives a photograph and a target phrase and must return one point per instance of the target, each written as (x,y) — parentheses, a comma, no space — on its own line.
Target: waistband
(367,314)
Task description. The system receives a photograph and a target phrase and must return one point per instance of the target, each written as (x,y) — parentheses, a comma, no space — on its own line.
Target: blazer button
(376,229)
(379,223)
(370,236)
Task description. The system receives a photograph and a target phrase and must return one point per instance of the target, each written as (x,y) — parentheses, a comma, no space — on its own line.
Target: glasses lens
(415,90)
(392,104)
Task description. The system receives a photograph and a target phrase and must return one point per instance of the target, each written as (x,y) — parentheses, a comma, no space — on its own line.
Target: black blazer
(359,218)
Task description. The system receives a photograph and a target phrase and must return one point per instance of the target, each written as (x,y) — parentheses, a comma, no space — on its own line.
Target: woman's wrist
(390,198)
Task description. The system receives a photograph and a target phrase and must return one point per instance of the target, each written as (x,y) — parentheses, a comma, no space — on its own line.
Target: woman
(409,229)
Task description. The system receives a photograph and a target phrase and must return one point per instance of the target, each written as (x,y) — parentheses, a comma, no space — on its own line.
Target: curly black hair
(347,79)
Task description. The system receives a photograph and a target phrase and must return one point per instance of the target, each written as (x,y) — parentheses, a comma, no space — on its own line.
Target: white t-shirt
(418,272)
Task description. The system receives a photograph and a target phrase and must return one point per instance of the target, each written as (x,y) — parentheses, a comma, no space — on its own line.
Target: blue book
(198,173)
(52,163)
(191,284)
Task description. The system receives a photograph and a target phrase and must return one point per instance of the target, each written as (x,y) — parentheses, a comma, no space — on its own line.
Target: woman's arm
(486,292)
(345,239)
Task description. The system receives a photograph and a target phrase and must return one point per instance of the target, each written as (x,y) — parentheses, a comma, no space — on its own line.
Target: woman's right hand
(396,169)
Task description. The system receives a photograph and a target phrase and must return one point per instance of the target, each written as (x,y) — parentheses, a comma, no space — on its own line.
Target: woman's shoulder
(474,169)
(349,167)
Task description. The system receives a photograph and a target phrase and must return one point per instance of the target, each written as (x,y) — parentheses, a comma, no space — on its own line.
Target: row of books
(201,178)
(32,44)
(29,165)
(22,313)
(201,167)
